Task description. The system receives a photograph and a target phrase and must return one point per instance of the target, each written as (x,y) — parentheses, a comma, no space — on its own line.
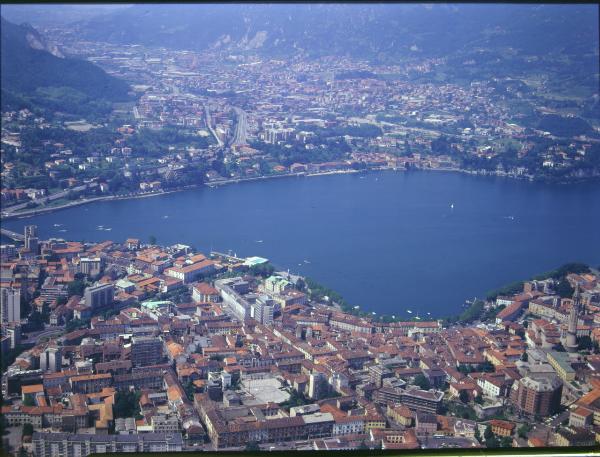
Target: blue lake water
(387,241)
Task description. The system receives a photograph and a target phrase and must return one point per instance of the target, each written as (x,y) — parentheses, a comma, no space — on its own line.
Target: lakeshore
(6,215)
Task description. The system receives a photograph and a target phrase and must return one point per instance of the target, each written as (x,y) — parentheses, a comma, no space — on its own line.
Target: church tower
(571,340)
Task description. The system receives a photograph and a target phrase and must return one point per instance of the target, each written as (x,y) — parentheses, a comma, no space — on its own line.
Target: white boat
(451,205)
(57,225)
(165,217)
(108,229)
(259,241)
(63,230)
(306,261)
(409,311)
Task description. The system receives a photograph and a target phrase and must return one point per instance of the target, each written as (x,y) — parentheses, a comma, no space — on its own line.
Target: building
(205,293)
(502,428)
(561,362)
(277,285)
(575,436)
(52,290)
(99,296)
(537,396)
(428,401)
(571,338)
(81,445)
(51,359)
(425,423)
(317,385)
(90,266)
(89,383)
(164,424)
(146,350)
(191,272)
(262,310)
(10,303)
(31,239)
(231,291)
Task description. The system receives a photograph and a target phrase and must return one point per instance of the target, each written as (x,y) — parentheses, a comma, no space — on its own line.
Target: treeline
(155,143)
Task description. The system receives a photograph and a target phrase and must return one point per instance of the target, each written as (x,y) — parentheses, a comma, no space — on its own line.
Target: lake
(387,241)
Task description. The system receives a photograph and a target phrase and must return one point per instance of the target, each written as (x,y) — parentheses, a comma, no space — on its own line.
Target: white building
(10,304)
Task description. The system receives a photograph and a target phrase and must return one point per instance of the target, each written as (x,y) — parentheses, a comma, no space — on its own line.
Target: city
(214,117)
(258,227)
(123,346)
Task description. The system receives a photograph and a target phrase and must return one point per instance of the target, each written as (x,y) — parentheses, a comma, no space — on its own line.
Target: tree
(28,401)
(152,240)
(524,430)
(464,396)
(76,287)
(127,404)
(506,441)
(27,429)
(492,442)
(422,382)
(524,357)
(564,289)
(488,433)
(477,433)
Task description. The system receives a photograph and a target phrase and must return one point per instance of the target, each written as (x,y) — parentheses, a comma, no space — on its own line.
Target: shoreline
(223,182)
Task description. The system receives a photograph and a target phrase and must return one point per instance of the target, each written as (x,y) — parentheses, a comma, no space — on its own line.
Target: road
(49,330)
(209,126)
(239,134)
(51,197)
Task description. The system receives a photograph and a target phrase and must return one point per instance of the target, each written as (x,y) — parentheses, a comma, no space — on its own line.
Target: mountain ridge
(36,74)
(356,30)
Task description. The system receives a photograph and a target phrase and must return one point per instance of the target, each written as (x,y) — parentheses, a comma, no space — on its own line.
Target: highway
(49,330)
(12,235)
(209,126)
(239,134)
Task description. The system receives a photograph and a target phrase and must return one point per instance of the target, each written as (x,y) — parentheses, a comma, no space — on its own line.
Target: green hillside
(34,78)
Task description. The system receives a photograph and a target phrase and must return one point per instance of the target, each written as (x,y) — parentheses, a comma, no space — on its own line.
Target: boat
(451,205)
(165,217)
(306,261)
(259,241)
(62,230)
(57,225)
(409,311)
(108,229)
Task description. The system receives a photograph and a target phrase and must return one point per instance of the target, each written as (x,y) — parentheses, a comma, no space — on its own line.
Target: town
(128,346)
(214,117)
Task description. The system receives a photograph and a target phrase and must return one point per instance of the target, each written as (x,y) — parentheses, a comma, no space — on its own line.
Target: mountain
(35,74)
(41,15)
(360,30)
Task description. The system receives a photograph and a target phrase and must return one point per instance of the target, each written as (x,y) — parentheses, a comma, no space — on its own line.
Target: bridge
(12,235)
